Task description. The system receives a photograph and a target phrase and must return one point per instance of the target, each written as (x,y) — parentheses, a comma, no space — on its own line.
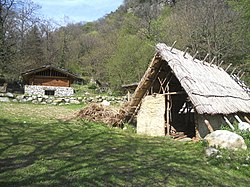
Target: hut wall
(215,120)
(41,90)
(151,117)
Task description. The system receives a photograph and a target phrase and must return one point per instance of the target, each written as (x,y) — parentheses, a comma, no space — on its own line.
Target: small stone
(210,151)
(40,99)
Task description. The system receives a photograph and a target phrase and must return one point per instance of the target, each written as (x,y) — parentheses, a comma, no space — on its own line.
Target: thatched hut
(179,93)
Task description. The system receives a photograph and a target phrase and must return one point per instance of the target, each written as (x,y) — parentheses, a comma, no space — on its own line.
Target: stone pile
(44,99)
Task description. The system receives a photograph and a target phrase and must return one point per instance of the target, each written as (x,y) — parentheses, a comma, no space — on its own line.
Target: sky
(76,10)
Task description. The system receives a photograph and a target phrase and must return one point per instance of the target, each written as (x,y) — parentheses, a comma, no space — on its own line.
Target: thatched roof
(210,88)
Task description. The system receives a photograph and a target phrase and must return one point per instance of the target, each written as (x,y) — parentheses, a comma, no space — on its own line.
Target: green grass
(39,149)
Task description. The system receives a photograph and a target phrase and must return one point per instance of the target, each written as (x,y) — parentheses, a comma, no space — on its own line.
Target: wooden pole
(185,52)
(247,120)
(233,71)
(168,112)
(228,66)
(220,63)
(173,45)
(229,124)
(195,54)
(242,75)
(204,60)
(209,126)
(212,60)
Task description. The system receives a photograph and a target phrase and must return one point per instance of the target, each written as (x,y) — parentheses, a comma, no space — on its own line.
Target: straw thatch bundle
(103,114)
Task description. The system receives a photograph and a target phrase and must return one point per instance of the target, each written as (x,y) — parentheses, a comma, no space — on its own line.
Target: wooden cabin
(179,94)
(48,80)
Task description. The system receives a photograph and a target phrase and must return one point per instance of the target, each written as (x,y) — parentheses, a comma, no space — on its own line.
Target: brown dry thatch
(102,114)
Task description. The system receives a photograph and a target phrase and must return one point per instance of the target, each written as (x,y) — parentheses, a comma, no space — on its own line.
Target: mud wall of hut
(151,117)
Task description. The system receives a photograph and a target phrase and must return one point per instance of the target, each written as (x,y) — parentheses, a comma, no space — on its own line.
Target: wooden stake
(242,75)
(228,122)
(173,45)
(212,60)
(205,58)
(195,54)
(185,52)
(228,67)
(247,120)
(238,74)
(220,63)
(233,71)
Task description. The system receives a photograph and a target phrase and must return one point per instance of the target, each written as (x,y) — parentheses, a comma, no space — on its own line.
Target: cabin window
(50,92)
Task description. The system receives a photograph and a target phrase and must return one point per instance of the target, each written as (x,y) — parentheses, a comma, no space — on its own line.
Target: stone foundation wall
(150,119)
(40,90)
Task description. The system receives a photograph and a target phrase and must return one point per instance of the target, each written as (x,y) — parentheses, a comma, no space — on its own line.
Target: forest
(118,47)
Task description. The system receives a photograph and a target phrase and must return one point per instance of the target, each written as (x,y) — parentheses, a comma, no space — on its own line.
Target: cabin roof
(46,67)
(211,89)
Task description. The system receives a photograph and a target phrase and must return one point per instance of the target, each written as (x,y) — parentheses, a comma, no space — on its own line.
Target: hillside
(117,48)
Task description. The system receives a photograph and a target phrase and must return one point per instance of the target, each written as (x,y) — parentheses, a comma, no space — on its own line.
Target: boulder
(244,126)
(4,99)
(10,95)
(225,139)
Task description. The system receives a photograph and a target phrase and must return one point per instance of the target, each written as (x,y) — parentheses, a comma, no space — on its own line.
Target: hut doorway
(181,116)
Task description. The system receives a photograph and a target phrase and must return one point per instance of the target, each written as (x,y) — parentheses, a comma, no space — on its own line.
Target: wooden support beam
(175,93)
(209,126)
(229,124)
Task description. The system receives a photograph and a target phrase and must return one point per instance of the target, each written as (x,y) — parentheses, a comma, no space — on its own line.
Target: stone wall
(40,90)
(150,119)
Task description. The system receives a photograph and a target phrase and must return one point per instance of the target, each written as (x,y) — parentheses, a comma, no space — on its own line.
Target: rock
(10,95)
(75,102)
(19,97)
(29,99)
(58,100)
(39,99)
(225,139)
(79,98)
(15,100)
(66,100)
(244,126)
(4,99)
(105,103)
(210,151)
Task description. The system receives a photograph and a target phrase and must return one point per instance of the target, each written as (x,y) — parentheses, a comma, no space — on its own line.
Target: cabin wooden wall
(49,81)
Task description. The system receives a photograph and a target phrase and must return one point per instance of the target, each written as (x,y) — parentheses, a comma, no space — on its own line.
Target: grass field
(39,148)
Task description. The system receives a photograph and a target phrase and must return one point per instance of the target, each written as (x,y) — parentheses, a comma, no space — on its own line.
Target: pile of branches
(103,114)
